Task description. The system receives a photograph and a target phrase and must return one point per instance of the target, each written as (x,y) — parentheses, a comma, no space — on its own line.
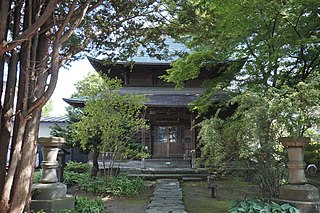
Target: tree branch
(30,31)
(76,23)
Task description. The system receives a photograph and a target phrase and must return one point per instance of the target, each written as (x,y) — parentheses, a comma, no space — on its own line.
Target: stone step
(169,176)
(168,171)
(192,179)
(167,163)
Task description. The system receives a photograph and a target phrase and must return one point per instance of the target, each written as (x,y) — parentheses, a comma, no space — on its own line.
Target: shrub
(124,186)
(120,185)
(85,205)
(73,178)
(37,176)
(77,167)
(261,205)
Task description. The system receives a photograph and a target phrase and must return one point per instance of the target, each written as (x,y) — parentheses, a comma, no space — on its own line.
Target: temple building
(170,134)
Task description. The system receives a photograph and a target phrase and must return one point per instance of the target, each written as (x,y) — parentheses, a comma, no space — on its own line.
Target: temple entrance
(168,142)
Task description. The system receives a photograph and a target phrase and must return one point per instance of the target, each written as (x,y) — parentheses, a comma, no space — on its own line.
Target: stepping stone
(167,197)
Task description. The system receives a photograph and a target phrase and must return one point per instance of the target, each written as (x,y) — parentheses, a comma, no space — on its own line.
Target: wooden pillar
(143,136)
(193,131)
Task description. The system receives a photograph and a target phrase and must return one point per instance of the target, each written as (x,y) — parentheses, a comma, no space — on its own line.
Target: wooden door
(167,142)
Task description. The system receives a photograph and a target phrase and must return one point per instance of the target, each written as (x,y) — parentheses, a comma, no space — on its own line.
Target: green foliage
(73,178)
(278,39)
(77,167)
(124,186)
(83,205)
(136,151)
(312,153)
(37,176)
(109,116)
(120,185)
(247,139)
(74,115)
(275,43)
(260,205)
(218,142)
(86,205)
(47,109)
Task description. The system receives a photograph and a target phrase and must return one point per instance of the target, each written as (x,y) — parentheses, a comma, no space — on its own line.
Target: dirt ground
(198,199)
(128,205)
(197,196)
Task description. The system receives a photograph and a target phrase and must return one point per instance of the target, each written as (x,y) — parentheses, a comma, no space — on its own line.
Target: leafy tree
(278,40)
(271,52)
(74,115)
(37,38)
(112,117)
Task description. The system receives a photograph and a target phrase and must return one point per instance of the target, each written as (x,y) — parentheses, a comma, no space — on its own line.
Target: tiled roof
(54,119)
(173,48)
(162,90)
(160,96)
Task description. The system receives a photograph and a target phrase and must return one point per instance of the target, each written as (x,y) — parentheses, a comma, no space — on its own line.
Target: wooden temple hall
(169,135)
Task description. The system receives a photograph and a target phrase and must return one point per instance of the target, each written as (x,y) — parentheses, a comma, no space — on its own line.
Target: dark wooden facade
(170,133)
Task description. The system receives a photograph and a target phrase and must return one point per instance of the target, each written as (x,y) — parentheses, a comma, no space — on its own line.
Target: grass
(197,197)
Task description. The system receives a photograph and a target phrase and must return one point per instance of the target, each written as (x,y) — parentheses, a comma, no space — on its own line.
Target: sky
(66,84)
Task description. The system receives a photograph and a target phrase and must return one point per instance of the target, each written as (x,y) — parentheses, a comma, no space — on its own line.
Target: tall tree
(276,45)
(37,38)
(279,40)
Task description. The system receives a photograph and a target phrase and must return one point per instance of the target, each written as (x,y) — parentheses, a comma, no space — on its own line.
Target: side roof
(59,119)
(160,97)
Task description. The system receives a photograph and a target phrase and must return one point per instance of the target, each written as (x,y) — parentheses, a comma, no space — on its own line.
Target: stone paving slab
(167,197)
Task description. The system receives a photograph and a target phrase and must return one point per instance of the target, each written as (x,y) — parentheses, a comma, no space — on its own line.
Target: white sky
(66,85)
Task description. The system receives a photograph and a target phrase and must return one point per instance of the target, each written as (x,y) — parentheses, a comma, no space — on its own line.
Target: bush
(73,178)
(77,167)
(124,186)
(85,205)
(120,186)
(261,205)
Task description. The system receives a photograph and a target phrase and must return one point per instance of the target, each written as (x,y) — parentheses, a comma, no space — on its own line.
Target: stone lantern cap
(295,141)
(51,141)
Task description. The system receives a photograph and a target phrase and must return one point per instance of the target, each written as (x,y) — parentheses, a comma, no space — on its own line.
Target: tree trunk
(95,169)
(21,195)
(36,37)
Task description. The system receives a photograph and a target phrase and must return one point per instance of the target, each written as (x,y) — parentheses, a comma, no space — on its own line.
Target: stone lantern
(298,192)
(49,194)
(296,164)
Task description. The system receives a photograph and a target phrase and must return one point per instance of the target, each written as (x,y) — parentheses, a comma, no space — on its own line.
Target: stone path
(167,197)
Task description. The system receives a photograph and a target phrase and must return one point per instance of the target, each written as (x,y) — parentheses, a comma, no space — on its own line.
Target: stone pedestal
(49,194)
(296,164)
(298,193)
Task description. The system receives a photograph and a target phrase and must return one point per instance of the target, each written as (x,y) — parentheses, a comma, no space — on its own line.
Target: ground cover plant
(119,186)
(234,196)
(197,197)
(261,205)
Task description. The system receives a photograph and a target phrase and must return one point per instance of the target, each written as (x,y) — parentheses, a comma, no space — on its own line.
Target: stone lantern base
(49,194)
(298,193)
(51,197)
(303,197)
